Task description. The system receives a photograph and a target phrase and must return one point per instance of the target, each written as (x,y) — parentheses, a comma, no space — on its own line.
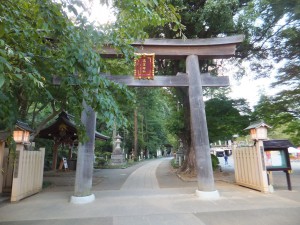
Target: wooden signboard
(144,66)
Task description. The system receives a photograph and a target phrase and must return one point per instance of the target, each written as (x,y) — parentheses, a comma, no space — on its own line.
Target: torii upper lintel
(208,48)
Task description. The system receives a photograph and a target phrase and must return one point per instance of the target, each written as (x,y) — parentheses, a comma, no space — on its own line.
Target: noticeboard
(277,159)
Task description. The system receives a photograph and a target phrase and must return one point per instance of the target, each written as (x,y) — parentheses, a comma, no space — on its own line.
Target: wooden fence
(28,173)
(249,168)
(7,168)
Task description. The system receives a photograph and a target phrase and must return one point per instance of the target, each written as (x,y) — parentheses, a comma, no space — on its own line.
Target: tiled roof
(277,144)
(257,124)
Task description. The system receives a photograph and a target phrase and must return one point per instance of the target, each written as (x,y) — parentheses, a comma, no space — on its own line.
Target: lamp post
(259,133)
(21,135)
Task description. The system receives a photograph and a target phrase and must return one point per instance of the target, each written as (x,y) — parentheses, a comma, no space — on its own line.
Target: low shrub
(215,161)
(174,164)
(100,161)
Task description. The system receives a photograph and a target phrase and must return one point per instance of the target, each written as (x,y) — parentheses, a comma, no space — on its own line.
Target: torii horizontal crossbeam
(181,80)
(209,48)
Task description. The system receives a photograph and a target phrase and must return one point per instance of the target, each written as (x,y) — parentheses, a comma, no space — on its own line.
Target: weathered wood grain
(169,81)
(199,132)
(179,49)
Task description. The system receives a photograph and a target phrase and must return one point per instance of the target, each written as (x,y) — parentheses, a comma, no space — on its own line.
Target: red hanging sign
(144,66)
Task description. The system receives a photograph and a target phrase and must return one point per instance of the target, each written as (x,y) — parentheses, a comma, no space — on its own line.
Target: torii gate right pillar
(199,132)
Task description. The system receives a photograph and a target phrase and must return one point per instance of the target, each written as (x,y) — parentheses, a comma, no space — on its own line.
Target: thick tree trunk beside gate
(188,167)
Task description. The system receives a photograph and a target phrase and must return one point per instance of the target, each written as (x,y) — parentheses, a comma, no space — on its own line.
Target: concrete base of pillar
(82,200)
(208,195)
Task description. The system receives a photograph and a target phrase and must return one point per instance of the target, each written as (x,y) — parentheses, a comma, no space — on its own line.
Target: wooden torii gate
(192,50)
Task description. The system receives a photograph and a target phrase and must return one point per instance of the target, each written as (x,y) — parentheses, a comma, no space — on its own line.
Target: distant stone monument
(180,153)
(117,156)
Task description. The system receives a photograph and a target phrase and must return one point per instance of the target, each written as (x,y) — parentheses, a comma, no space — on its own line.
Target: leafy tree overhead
(39,41)
(279,116)
(272,29)
(224,119)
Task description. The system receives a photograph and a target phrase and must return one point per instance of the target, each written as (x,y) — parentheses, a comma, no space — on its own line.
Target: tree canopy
(45,39)
(39,41)
(224,119)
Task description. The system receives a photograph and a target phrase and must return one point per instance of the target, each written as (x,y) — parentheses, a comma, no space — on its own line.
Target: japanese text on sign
(144,66)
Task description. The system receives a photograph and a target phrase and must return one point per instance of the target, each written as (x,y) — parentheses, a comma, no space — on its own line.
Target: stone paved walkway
(157,196)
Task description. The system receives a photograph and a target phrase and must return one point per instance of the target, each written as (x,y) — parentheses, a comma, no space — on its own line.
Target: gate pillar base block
(208,195)
(82,200)
(271,188)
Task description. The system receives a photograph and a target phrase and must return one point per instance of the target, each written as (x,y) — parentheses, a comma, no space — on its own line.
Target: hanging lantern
(22,132)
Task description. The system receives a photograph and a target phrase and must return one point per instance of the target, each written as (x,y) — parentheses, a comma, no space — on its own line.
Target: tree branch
(47,119)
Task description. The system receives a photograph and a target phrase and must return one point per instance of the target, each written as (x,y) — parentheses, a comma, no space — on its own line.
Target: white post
(262,167)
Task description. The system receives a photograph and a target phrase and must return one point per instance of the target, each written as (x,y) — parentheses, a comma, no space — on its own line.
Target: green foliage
(175,123)
(293,130)
(271,28)
(134,16)
(100,162)
(38,41)
(46,184)
(283,119)
(174,164)
(224,119)
(215,161)
(153,111)
(272,113)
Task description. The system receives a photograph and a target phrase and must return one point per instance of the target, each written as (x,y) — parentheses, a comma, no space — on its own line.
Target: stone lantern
(118,149)
(117,156)
(180,153)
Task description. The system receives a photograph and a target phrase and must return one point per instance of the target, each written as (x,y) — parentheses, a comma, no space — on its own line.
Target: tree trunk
(189,165)
(135,150)
(54,158)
